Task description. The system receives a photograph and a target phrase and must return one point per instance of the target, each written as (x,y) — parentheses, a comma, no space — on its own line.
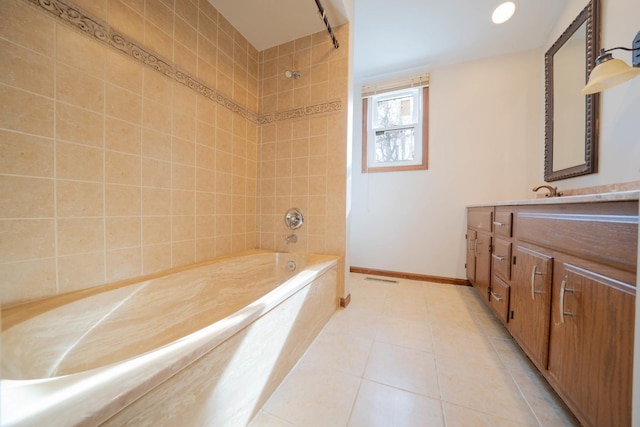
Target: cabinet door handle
(498,257)
(563,289)
(475,247)
(496,296)
(534,272)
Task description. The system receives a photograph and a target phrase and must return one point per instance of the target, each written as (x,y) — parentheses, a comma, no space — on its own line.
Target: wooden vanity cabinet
(567,296)
(479,238)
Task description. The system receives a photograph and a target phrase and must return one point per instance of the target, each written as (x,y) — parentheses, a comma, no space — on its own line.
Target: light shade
(503,12)
(608,74)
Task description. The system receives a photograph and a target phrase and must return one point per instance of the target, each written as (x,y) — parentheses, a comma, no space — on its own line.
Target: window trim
(423,165)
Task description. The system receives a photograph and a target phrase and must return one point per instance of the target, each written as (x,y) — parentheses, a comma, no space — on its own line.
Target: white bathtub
(200,345)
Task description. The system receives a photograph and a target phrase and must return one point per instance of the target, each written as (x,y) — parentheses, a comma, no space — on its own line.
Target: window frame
(368,137)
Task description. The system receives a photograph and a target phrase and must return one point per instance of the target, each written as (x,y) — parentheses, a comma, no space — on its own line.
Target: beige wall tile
(156,201)
(124,71)
(25,197)
(80,235)
(183,228)
(156,116)
(26,69)
(158,41)
(74,161)
(157,87)
(121,168)
(156,173)
(125,20)
(79,51)
(79,125)
(160,15)
(122,136)
(123,232)
(97,8)
(76,87)
(183,151)
(184,32)
(123,104)
(20,24)
(156,258)
(25,112)
(80,271)
(122,200)
(156,145)
(79,199)
(123,264)
(183,253)
(183,177)
(27,280)
(205,249)
(26,239)
(185,59)
(155,230)
(205,203)
(22,154)
(183,202)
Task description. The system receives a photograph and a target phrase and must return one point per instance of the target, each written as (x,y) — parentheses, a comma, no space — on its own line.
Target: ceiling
(391,37)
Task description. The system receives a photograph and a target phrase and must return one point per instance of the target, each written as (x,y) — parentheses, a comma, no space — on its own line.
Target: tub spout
(291,238)
(553,191)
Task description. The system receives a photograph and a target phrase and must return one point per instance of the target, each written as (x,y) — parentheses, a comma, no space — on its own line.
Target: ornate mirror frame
(591,16)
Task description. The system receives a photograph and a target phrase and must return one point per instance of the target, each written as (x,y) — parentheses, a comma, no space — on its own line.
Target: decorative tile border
(79,20)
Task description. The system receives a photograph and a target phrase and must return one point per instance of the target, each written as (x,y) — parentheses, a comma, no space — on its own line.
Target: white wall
(486,144)
(485,127)
(619,139)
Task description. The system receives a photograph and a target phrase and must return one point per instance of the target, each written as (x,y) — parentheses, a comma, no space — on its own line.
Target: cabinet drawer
(503,223)
(500,299)
(501,257)
(480,218)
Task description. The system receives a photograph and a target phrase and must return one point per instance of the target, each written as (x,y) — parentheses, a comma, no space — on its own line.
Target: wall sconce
(610,72)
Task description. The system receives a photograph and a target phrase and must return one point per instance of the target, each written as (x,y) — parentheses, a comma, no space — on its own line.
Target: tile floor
(413,354)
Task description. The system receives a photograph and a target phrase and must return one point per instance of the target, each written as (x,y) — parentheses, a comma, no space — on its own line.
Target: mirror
(571,118)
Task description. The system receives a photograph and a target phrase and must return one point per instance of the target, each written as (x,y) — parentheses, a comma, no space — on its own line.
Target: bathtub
(200,345)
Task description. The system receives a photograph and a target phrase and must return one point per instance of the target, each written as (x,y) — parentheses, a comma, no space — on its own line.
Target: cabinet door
(530,303)
(591,344)
(472,241)
(483,264)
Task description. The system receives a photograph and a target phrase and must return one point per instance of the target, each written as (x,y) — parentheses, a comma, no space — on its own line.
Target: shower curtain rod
(323,15)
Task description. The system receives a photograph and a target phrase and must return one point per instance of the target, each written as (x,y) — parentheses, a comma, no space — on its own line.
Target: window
(394,130)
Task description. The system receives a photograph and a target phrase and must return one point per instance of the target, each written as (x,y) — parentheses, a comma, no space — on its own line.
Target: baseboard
(344,302)
(411,276)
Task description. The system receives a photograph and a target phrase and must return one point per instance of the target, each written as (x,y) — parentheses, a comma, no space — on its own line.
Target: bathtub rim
(37,400)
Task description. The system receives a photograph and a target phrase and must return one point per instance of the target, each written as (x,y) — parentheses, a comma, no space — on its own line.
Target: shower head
(295,74)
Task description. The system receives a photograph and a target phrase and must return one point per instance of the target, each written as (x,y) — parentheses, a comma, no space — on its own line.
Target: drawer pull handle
(534,272)
(496,296)
(563,289)
(499,224)
(498,257)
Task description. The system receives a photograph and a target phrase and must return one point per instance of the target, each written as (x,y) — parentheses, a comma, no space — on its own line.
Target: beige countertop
(587,198)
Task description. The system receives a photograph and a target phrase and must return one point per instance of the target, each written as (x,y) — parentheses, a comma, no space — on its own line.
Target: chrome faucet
(291,238)
(553,191)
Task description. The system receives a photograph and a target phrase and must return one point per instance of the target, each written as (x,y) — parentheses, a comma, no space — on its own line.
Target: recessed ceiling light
(503,12)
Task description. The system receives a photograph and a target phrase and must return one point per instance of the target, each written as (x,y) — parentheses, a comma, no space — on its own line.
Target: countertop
(587,198)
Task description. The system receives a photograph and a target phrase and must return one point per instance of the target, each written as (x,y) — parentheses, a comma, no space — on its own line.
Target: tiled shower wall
(303,160)
(111,168)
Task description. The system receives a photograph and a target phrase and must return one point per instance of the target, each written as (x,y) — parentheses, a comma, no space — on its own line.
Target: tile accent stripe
(79,20)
